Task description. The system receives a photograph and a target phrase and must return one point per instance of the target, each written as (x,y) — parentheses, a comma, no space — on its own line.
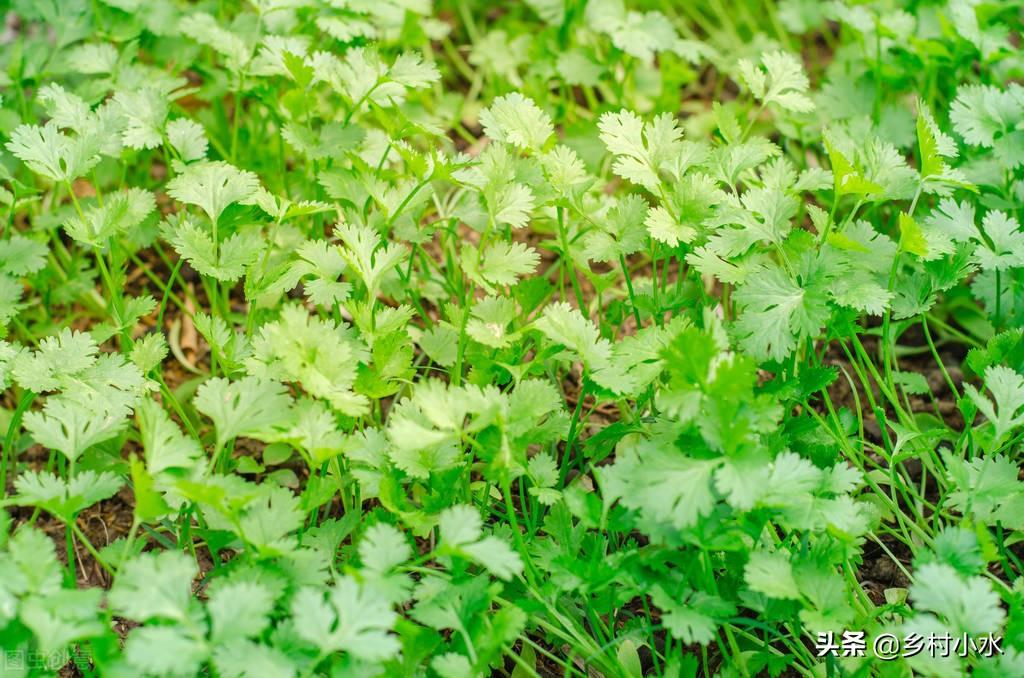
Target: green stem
(69,550)
(9,458)
(938,360)
(567,262)
(129,540)
(629,290)
(997,321)
(235,118)
(517,535)
(90,548)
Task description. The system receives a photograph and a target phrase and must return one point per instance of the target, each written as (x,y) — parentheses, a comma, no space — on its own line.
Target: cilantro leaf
(461,534)
(212,186)
(517,120)
(239,610)
(62,498)
(778,313)
(118,214)
(1007,389)
(564,325)
(247,407)
(968,604)
(164,650)
(318,354)
(188,138)
(154,586)
(350,618)
(642,149)
(51,153)
(782,82)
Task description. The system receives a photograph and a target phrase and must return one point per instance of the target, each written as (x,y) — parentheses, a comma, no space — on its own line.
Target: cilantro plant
(560,337)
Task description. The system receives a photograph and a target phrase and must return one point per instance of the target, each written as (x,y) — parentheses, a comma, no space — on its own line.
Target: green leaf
(982,113)
(248,407)
(967,604)
(149,351)
(231,345)
(163,443)
(987,490)
(543,472)
(269,519)
(770,573)
(363,77)
(318,354)
(367,255)
(957,547)
(912,238)
(777,314)
(1007,389)
(782,82)
(440,343)
(503,263)
(325,263)
(693,201)
(489,321)
(120,213)
(453,665)
(154,586)
(575,66)
(239,610)
(241,658)
(49,152)
(71,426)
(66,109)
(912,382)
(1003,246)
(314,430)
(149,504)
(640,34)
(205,30)
(30,568)
(1007,346)
(662,483)
(226,260)
(143,112)
(516,120)
(8,354)
(382,549)
(93,57)
(461,534)
(20,255)
(621,232)
(928,140)
(693,618)
(188,138)
(61,619)
(212,186)
(564,170)
(349,618)
(62,498)
(629,657)
(847,178)
(164,651)
(565,325)
(68,353)
(642,149)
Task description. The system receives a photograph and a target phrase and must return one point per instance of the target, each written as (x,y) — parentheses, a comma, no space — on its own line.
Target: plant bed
(571,338)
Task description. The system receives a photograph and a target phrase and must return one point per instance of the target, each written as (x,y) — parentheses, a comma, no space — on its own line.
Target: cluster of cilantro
(446,340)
